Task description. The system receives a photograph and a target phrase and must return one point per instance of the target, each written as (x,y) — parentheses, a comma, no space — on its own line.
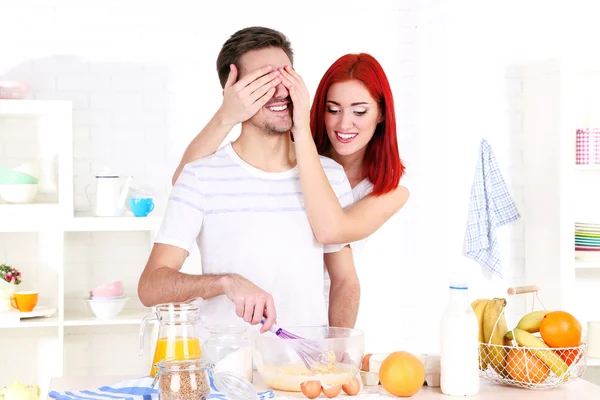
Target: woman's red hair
(382,164)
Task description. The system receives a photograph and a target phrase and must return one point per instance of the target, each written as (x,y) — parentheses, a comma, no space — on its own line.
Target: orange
(402,374)
(560,329)
(523,366)
(569,355)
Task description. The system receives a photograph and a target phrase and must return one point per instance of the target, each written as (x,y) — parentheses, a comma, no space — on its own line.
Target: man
(243,207)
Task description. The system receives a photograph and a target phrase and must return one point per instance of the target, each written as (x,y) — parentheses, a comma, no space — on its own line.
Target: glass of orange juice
(178,337)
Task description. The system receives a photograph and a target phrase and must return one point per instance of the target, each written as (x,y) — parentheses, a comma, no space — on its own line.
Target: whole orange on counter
(560,329)
(402,374)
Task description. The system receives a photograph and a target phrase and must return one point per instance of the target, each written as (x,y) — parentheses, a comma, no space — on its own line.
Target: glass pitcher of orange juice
(178,335)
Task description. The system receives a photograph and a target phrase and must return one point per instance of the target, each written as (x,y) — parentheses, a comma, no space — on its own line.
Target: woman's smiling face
(351,116)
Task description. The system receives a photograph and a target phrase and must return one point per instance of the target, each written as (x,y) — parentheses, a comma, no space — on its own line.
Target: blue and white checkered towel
(136,389)
(490,207)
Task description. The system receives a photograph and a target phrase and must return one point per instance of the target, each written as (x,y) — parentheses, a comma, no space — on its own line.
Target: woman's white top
(364,188)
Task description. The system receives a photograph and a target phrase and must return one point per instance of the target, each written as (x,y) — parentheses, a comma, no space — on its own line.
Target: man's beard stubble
(273,129)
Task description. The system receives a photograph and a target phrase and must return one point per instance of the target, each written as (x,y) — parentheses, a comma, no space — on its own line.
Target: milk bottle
(459,350)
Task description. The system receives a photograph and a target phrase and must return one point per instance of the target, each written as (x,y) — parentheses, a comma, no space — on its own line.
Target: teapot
(18,391)
(110,198)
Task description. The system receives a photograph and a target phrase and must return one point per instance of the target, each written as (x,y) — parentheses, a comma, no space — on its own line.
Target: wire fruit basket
(523,359)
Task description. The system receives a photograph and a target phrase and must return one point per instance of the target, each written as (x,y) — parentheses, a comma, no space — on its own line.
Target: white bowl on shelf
(106,309)
(19,193)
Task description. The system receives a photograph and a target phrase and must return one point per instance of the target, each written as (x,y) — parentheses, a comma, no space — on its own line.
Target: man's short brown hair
(248,39)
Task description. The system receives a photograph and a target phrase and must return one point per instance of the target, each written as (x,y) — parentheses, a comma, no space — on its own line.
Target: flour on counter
(238,362)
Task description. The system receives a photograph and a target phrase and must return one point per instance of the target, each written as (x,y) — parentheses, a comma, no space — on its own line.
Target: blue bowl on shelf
(12,177)
(141,206)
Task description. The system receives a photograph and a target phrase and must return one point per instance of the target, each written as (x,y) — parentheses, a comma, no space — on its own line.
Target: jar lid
(234,386)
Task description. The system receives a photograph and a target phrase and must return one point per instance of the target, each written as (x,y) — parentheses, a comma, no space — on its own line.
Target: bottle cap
(459,285)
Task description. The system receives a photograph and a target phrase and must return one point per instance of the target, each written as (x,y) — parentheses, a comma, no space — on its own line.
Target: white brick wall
(29,355)
(143,83)
(104,351)
(92,259)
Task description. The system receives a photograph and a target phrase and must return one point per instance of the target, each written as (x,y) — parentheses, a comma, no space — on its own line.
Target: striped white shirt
(251,222)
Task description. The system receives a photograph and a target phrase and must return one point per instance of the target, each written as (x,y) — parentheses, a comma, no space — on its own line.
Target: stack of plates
(587,240)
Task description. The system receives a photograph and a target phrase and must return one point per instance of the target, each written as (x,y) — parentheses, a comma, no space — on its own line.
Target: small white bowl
(19,194)
(106,309)
(106,298)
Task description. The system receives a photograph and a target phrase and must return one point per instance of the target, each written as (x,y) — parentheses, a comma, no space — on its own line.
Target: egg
(332,391)
(352,388)
(365,362)
(311,389)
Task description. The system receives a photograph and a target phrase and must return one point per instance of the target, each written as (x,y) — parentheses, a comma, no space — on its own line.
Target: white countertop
(577,390)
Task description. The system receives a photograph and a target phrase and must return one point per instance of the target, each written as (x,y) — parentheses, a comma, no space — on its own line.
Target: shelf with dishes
(44,217)
(89,223)
(75,318)
(588,167)
(37,318)
(106,305)
(125,317)
(587,244)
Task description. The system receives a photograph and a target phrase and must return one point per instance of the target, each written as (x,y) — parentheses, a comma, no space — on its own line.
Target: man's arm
(344,293)
(162,282)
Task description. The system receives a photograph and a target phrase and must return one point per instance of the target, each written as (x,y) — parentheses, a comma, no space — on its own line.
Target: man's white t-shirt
(253,223)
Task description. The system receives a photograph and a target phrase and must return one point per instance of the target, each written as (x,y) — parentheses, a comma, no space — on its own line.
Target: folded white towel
(491,206)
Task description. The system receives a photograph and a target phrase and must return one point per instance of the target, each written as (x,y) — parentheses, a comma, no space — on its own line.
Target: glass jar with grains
(186,379)
(191,378)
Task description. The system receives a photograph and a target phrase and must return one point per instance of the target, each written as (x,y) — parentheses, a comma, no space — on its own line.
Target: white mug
(593,339)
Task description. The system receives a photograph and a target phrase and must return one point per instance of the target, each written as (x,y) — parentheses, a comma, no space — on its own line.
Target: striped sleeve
(343,190)
(183,218)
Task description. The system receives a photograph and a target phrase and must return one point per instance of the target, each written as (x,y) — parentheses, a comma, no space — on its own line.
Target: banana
(494,329)
(530,322)
(538,348)
(479,307)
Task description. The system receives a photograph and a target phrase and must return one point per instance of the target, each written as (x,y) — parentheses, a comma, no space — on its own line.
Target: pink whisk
(311,354)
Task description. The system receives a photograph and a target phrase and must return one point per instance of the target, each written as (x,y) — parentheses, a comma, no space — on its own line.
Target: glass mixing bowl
(281,368)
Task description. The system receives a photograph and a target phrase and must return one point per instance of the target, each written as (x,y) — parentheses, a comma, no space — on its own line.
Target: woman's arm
(241,100)
(205,143)
(330,223)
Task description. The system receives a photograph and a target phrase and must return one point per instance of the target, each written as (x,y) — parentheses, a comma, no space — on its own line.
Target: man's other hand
(251,302)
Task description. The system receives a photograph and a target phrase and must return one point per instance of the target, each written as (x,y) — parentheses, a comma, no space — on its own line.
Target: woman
(353,122)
